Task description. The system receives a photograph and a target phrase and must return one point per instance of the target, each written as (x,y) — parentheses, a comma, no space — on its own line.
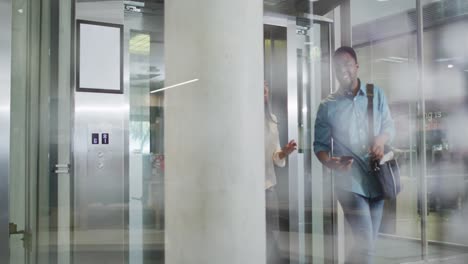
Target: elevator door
(297,70)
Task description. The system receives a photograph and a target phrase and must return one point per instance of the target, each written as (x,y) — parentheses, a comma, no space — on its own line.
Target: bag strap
(370,112)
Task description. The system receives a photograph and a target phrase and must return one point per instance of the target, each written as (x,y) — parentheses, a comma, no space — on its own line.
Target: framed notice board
(99,57)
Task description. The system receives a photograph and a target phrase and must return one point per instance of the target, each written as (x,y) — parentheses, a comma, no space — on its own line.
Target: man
(343,117)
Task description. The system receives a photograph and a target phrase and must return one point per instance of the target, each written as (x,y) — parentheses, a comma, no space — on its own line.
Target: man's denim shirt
(343,118)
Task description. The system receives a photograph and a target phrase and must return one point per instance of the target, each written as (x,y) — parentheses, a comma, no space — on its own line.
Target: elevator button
(100,165)
(100,154)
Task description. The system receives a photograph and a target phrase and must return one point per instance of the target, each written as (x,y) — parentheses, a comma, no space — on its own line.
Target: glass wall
(384,35)
(445,65)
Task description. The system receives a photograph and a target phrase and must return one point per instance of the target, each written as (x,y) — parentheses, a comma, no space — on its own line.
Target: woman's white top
(272,150)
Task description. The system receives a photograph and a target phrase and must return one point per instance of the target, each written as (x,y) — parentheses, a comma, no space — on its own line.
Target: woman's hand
(288,149)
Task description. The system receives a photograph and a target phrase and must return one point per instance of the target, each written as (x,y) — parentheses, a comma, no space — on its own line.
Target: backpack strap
(370,111)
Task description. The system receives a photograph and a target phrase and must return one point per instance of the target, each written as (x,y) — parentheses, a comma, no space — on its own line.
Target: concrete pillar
(214,138)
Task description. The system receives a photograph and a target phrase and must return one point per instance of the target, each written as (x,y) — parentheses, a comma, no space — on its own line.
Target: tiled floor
(105,246)
(391,251)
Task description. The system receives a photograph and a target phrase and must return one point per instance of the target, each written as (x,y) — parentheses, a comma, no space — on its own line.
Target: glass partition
(145,31)
(385,38)
(445,88)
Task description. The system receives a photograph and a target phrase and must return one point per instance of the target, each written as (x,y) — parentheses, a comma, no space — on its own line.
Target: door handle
(13,230)
(62,168)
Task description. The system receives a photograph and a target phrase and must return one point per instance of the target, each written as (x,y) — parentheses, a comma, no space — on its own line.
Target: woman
(274,155)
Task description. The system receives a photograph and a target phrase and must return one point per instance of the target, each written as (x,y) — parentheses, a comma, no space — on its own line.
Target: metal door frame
(5,86)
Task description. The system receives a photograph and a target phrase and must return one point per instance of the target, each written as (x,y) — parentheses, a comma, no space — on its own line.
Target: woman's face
(265,92)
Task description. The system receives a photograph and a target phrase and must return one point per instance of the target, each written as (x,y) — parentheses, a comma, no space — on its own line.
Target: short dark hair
(346,49)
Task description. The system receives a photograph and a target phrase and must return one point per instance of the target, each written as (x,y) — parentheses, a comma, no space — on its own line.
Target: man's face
(346,69)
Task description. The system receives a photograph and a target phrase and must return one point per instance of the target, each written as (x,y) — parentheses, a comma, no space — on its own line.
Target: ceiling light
(389,60)
(134,3)
(393,59)
(140,44)
(270,3)
(447,59)
(450,66)
(399,58)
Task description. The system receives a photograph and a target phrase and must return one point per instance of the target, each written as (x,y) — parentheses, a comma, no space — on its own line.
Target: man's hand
(338,164)
(342,164)
(288,149)
(377,149)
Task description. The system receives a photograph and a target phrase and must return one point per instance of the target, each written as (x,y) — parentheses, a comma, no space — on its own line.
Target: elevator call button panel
(101,160)
(104,138)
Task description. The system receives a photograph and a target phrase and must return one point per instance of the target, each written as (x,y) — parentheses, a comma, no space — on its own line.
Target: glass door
(313,52)
(297,71)
(39,182)
(24,126)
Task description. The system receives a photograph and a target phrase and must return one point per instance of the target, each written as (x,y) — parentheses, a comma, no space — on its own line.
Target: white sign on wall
(99,57)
